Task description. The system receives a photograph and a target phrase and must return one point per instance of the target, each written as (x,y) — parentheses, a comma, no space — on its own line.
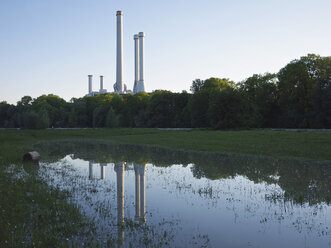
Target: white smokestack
(101,83)
(90,84)
(136,63)
(141,85)
(119,53)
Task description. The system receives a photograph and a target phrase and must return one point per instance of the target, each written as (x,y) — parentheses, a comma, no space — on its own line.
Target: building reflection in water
(139,193)
(102,170)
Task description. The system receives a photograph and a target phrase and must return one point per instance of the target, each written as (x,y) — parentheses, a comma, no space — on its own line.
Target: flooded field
(151,197)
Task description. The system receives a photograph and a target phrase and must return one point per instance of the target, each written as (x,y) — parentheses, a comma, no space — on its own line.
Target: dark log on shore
(31,156)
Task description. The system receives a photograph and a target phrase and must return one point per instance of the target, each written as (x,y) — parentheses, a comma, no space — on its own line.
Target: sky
(50,46)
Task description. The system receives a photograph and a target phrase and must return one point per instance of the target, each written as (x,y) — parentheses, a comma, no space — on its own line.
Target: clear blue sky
(50,46)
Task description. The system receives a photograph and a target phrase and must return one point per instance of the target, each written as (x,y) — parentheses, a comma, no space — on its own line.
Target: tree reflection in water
(302,181)
(269,191)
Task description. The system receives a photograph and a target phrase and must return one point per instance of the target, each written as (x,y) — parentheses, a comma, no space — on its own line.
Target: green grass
(314,145)
(34,215)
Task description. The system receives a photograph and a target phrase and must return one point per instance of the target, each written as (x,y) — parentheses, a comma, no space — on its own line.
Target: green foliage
(56,108)
(230,108)
(298,96)
(217,84)
(199,108)
(99,116)
(160,109)
(78,117)
(25,101)
(44,120)
(196,85)
(112,118)
(211,84)
(319,110)
(304,92)
(182,115)
(4,117)
(262,92)
(200,101)
(34,120)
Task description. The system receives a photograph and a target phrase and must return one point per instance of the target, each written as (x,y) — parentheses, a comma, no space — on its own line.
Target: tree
(134,109)
(211,84)
(199,102)
(217,84)
(25,101)
(43,121)
(56,108)
(182,115)
(160,109)
(261,90)
(4,118)
(77,116)
(196,85)
(230,109)
(34,120)
(300,82)
(99,116)
(111,119)
(198,106)
(319,110)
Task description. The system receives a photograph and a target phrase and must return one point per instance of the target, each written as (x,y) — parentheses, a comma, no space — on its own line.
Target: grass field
(315,145)
(32,215)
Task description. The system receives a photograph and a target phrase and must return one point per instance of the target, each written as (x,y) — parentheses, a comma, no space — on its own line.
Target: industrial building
(120,87)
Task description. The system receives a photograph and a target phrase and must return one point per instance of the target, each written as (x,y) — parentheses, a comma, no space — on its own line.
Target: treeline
(298,96)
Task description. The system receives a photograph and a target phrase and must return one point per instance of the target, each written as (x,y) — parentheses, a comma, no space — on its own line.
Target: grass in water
(34,215)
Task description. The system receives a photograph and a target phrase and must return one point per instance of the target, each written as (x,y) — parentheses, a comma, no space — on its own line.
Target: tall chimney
(90,84)
(136,63)
(101,83)
(141,86)
(119,53)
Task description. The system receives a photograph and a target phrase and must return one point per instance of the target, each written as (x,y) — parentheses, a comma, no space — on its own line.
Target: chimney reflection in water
(102,168)
(139,193)
(119,168)
(90,175)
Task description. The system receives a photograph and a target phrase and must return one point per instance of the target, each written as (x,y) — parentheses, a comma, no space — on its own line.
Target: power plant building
(119,86)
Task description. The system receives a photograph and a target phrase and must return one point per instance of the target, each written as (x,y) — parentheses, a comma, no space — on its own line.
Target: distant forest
(298,96)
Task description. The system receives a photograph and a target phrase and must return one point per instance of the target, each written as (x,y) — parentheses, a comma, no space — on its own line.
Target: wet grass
(31,213)
(34,215)
(314,145)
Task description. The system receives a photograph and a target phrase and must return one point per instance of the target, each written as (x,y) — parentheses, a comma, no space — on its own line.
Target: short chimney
(90,84)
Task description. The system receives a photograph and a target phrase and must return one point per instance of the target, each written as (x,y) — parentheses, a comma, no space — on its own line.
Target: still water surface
(156,197)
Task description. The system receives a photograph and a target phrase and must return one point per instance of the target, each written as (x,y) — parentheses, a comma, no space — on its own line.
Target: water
(156,197)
